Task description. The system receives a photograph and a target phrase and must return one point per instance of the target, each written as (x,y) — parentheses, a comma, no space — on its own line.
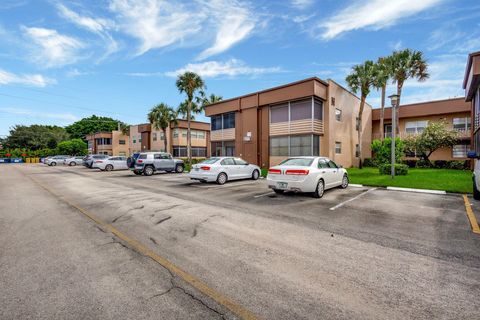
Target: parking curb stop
(417,190)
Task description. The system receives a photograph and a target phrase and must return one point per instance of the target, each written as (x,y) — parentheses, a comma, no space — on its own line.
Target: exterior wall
(117,148)
(96,148)
(134,142)
(431,111)
(471,84)
(345,131)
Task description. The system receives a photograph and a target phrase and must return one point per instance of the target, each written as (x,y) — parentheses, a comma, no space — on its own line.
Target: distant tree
(435,136)
(35,137)
(124,128)
(74,147)
(160,117)
(383,74)
(93,124)
(191,84)
(407,64)
(361,78)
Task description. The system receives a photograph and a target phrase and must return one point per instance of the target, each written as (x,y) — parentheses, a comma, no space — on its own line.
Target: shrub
(368,162)
(423,164)
(410,163)
(382,150)
(458,165)
(440,164)
(400,169)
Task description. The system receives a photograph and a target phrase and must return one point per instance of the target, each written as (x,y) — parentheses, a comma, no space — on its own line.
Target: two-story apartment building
(304,118)
(111,143)
(144,137)
(414,118)
(471,84)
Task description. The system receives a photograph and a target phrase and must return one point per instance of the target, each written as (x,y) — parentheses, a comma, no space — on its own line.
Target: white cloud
(235,23)
(301,4)
(52,49)
(77,73)
(372,14)
(30,113)
(231,68)
(156,23)
(35,80)
(397,45)
(99,26)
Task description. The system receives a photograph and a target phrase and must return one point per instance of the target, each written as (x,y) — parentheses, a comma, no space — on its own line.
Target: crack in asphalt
(162,220)
(168,208)
(197,225)
(153,240)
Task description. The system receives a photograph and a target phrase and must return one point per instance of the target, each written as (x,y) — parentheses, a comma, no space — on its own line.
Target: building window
(318,109)
(461,124)
(357,123)
(193,134)
(184,133)
(223,121)
(103,141)
(301,110)
(154,136)
(357,151)
(121,141)
(199,152)
(179,151)
(279,113)
(134,139)
(338,114)
(122,153)
(223,149)
(200,134)
(459,151)
(415,127)
(175,133)
(338,147)
(332,99)
(304,145)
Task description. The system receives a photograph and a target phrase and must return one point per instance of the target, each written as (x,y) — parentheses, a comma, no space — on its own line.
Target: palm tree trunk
(359,132)
(382,113)
(165,145)
(189,140)
(399,92)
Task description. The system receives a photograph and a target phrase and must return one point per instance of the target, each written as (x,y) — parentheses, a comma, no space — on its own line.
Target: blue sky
(64,60)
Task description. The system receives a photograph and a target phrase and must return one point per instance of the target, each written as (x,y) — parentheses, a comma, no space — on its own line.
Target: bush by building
(400,169)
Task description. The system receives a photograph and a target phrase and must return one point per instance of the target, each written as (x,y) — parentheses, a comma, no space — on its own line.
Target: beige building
(304,118)
(414,118)
(111,143)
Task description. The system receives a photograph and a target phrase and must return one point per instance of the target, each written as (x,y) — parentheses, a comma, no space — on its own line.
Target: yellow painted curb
(141,248)
(471,215)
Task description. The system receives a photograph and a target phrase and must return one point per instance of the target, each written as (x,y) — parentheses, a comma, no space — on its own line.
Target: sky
(63,60)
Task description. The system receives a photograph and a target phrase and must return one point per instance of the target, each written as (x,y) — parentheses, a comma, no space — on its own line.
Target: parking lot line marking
(471,215)
(350,200)
(143,249)
(264,194)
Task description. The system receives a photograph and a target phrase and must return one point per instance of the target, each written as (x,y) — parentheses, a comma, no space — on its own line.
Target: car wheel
(278,191)
(138,173)
(148,171)
(108,167)
(72,164)
(319,190)
(255,175)
(344,184)
(476,193)
(222,178)
(179,168)
(53,164)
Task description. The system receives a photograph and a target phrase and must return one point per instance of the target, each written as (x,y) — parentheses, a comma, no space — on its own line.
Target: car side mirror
(472,155)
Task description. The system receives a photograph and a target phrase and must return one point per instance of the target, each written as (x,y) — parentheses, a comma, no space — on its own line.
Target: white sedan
(223,169)
(307,174)
(111,163)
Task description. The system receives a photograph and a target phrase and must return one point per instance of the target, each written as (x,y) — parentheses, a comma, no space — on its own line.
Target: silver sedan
(111,163)
(73,161)
(223,169)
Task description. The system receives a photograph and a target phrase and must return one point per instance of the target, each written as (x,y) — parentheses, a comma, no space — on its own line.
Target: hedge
(400,169)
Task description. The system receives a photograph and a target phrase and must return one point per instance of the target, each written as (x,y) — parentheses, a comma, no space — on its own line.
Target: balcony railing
(462,133)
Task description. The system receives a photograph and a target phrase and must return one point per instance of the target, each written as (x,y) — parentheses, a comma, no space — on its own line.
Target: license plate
(282,185)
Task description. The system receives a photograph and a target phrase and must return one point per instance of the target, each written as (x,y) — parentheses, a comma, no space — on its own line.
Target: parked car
(150,162)
(73,161)
(111,163)
(476,173)
(53,161)
(307,174)
(88,160)
(223,169)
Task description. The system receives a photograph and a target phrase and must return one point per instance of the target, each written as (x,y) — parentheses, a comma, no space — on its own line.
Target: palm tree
(160,116)
(406,64)
(124,128)
(205,101)
(361,78)
(383,74)
(189,83)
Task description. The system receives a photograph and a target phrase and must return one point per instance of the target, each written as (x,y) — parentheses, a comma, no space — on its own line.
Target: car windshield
(301,162)
(210,161)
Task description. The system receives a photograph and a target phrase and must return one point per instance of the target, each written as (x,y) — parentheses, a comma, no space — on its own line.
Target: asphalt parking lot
(360,253)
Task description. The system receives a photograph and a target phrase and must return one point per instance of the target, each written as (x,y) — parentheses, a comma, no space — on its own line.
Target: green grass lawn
(437,179)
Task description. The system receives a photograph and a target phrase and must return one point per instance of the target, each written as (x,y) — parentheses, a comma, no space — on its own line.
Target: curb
(355,185)
(417,190)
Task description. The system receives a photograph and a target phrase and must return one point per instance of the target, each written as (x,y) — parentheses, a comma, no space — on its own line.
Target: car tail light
(206,168)
(300,172)
(99,161)
(140,161)
(274,171)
